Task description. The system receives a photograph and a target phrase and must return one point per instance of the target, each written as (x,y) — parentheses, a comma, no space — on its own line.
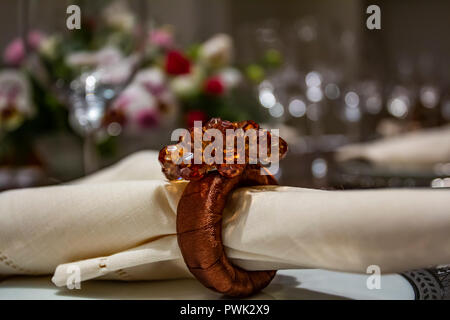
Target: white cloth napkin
(423,148)
(119,224)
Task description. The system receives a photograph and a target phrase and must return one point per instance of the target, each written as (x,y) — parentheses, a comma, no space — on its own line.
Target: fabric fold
(418,149)
(113,228)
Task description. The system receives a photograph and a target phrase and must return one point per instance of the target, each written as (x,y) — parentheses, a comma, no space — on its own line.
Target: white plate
(288,284)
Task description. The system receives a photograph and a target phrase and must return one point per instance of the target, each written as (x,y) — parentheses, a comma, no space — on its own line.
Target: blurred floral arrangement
(113,77)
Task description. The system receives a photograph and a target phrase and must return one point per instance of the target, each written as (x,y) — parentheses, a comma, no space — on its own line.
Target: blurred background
(75,101)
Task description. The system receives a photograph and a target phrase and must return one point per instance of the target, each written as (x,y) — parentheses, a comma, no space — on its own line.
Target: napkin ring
(200,209)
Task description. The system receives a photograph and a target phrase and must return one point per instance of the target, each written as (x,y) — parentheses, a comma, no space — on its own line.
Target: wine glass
(89,99)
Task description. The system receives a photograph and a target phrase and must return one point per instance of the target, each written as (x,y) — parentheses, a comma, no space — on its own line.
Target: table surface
(308,284)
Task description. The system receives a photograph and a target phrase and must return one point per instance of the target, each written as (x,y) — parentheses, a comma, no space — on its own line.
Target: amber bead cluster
(191,171)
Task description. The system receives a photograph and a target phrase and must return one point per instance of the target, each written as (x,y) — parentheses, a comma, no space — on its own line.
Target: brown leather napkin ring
(199,231)
(199,212)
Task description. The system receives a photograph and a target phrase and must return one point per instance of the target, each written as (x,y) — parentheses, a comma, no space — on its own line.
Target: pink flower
(147,118)
(35,38)
(155,89)
(14,53)
(161,38)
(122,102)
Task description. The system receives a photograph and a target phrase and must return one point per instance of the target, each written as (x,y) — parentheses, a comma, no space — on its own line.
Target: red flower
(214,86)
(195,115)
(177,63)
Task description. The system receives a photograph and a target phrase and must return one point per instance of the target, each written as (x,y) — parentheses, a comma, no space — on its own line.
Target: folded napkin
(120,224)
(423,148)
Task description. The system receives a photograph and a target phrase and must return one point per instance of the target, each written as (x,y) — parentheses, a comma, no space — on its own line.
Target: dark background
(417,29)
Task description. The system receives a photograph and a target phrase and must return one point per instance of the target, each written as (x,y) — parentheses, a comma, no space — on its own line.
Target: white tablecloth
(304,284)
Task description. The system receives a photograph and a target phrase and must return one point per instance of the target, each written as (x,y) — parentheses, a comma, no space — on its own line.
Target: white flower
(231,77)
(14,86)
(138,99)
(48,46)
(107,56)
(119,72)
(118,15)
(15,99)
(108,63)
(183,85)
(155,80)
(217,51)
(153,77)
(81,58)
(187,85)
